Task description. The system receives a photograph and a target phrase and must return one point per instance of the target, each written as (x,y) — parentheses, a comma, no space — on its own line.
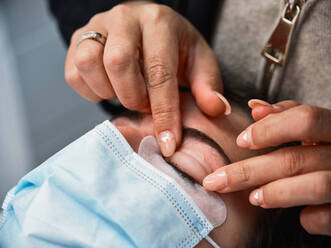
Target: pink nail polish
(226,103)
(256,102)
(245,138)
(216,181)
(257,198)
(167,143)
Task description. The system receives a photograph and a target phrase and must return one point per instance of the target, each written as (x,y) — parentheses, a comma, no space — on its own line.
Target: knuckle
(291,162)
(86,58)
(163,113)
(156,12)
(118,59)
(96,18)
(158,74)
(245,172)
(72,77)
(120,10)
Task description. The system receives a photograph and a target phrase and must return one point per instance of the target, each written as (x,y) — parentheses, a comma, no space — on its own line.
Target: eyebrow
(193,133)
(196,134)
(188,132)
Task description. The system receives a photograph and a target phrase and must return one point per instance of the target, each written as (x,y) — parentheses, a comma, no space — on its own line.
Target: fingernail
(216,181)
(226,103)
(275,106)
(167,143)
(257,199)
(256,102)
(245,138)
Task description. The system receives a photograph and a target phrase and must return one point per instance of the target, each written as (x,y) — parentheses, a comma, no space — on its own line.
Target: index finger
(160,49)
(301,123)
(260,170)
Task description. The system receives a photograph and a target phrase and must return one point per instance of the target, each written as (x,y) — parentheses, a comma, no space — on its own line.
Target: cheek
(132,135)
(241,219)
(240,210)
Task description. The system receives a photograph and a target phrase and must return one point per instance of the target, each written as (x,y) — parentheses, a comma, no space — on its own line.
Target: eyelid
(189,166)
(181,173)
(199,157)
(196,134)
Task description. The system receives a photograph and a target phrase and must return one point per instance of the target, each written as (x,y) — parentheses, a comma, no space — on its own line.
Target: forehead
(222,129)
(230,125)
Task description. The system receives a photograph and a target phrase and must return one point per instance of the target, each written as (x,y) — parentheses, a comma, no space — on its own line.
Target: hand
(150,49)
(291,176)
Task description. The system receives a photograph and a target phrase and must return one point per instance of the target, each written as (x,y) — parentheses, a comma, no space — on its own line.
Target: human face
(208,144)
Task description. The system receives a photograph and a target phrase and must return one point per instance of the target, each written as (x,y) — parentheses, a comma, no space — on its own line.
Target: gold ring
(93,35)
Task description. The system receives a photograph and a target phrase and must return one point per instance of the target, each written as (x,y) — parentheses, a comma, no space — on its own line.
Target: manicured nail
(216,181)
(245,138)
(275,106)
(257,199)
(226,103)
(257,102)
(167,143)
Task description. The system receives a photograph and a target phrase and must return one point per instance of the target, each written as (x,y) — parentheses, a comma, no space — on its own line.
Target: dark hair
(280,227)
(276,228)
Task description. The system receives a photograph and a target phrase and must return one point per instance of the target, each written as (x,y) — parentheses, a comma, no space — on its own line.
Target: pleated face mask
(97,192)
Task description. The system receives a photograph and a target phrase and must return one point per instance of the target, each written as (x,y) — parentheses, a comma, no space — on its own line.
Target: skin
(241,219)
(150,50)
(287,177)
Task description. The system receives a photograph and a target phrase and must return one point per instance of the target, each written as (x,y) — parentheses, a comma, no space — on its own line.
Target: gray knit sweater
(242,29)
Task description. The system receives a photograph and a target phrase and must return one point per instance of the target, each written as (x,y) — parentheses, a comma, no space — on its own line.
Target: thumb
(204,76)
(261,109)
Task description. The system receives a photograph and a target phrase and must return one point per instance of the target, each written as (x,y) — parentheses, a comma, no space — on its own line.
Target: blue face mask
(97,192)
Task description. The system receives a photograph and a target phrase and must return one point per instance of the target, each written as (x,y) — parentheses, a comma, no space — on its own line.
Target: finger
(300,123)
(261,109)
(205,80)
(309,189)
(74,79)
(77,83)
(317,219)
(282,163)
(89,62)
(122,59)
(160,48)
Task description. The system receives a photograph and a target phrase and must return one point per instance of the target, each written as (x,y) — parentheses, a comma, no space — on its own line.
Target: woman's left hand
(291,176)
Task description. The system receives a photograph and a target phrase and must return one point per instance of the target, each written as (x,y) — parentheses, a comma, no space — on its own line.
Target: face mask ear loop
(212,242)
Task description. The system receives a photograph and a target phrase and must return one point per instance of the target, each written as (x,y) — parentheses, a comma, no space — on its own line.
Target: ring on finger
(92,35)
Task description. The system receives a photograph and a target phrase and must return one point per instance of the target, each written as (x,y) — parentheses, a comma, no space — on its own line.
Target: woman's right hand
(150,49)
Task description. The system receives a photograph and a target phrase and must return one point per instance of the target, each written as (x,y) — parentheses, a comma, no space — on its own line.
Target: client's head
(209,143)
